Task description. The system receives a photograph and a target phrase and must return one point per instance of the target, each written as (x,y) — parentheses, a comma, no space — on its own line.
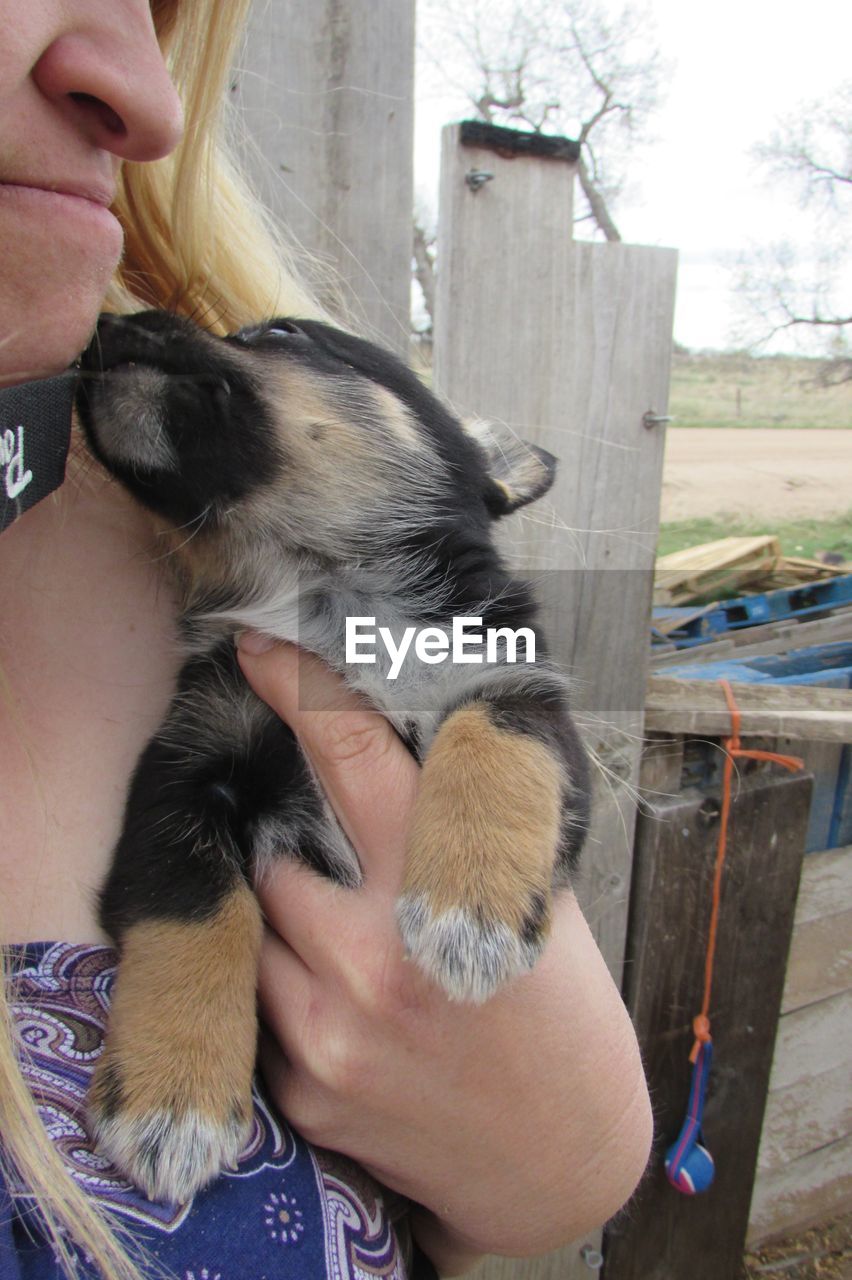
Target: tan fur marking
(486,821)
(182,1030)
(398,418)
(300,400)
(203,561)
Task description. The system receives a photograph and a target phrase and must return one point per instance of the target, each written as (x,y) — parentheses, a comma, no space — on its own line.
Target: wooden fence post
(570,344)
(666,1235)
(327,92)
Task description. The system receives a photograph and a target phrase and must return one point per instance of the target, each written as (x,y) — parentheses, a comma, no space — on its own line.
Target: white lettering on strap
(12,458)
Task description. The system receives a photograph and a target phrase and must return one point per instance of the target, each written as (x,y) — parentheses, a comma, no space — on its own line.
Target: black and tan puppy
(301,477)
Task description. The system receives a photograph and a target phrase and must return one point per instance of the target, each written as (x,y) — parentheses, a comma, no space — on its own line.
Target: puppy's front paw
(170,1100)
(467,952)
(475,909)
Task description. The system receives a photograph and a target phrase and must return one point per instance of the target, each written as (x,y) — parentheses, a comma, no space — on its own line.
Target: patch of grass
(798,537)
(735,390)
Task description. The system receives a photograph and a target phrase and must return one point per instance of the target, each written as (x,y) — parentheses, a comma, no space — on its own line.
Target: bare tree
(553,66)
(806,292)
(424,264)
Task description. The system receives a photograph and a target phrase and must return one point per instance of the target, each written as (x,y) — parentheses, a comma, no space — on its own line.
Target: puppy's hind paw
(466,953)
(170,1156)
(170,1102)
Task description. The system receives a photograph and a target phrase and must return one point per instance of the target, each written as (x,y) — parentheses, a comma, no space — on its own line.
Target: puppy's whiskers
(198,521)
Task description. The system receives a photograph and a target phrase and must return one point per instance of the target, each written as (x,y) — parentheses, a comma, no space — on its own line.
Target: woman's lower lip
(39,202)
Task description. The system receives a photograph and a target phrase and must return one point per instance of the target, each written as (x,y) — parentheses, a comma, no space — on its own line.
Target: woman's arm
(518,1124)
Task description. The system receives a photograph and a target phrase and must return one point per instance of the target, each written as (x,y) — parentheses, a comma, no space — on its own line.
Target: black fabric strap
(421,1266)
(35,433)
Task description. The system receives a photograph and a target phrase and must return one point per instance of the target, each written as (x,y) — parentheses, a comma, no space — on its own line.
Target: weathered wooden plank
(805,569)
(805,1192)
(563,1264)
(600,623)
(823,760)
(500,307)
(327,91)
(841,824)
(820,963)
(668,655)
(569,344)
(810,1099)
(665,626)
(826,885)
(719,554)
(771,638)
(773,710)
(666,1234)
(817,1034)
(805,1116)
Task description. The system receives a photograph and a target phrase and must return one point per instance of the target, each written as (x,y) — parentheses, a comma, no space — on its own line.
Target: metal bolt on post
(592,1257)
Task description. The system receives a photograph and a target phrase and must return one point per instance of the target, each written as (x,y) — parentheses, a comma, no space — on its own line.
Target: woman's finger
(324,923)
(366,772)
(286,987)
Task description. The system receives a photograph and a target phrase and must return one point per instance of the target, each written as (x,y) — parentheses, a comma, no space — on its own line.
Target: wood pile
(731,567)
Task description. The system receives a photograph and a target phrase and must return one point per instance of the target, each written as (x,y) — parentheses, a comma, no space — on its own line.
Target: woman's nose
(107,75)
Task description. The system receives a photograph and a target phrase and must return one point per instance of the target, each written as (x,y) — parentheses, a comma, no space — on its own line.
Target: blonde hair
(197,242)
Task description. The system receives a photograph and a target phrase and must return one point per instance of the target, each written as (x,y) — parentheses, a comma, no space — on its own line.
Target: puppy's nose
(118,340)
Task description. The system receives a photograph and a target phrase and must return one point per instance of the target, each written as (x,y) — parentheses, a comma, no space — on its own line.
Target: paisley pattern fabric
(287,1212)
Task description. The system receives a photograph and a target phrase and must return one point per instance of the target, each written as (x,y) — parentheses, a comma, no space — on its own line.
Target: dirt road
(757,472)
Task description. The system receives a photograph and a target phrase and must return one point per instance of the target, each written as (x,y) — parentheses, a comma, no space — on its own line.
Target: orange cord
(733,751)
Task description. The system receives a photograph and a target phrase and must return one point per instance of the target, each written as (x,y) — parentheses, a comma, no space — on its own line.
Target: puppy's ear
(518,472)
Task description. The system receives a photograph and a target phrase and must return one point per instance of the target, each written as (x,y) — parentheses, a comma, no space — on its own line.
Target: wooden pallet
(691,626)
(713,569)
(697,575)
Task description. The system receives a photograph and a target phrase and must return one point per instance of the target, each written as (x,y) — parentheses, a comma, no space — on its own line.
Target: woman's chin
(20,363)
(53,286)
(37,341)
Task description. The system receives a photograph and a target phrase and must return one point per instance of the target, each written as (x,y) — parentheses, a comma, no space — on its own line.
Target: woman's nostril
(110,119)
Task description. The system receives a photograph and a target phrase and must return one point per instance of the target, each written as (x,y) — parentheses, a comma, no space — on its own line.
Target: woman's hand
(517,1124)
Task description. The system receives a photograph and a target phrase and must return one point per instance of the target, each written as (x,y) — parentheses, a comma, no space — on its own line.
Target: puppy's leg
(499,818)
(170,1101)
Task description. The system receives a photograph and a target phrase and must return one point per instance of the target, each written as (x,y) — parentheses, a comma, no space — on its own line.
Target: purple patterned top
(287,1212)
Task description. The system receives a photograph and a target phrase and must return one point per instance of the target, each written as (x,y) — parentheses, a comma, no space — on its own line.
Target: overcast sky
(737,66)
